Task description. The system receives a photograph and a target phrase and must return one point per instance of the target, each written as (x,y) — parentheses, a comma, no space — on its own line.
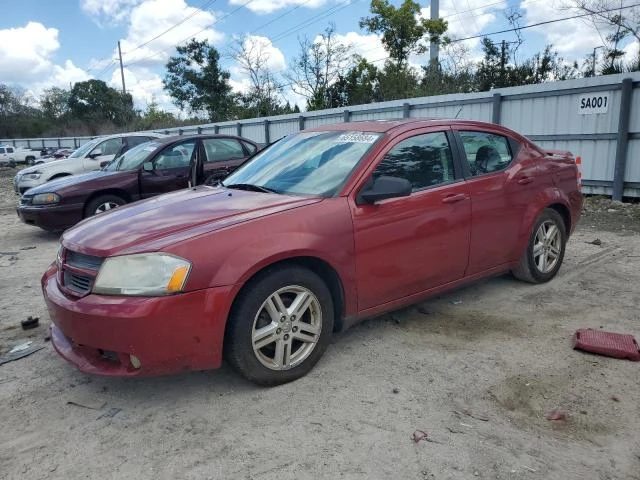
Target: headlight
(45,199)
(32,176)
(144,274)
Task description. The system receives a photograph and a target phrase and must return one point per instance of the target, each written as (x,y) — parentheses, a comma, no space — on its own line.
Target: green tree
(397,82)
(357,87)
(402,29)
(196,81)
(318,66)
(95,103)
(54,103)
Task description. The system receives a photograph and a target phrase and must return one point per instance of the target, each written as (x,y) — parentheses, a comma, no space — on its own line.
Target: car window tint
(251,148)
(9,149)
(2,150)
(109,147)
(176,156)
(485,152)
(424,160)
(133,141)
(222,149)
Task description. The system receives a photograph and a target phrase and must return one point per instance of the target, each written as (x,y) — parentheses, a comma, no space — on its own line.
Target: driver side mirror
(384,187)
(148,167)
(96,153)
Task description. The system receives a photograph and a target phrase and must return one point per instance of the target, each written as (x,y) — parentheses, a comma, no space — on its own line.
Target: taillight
(579,165)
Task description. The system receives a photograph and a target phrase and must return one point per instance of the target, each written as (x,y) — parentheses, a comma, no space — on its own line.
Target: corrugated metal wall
(549,114)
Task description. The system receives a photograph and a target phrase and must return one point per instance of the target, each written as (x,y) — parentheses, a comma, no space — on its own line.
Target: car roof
(174,138)
(400,125)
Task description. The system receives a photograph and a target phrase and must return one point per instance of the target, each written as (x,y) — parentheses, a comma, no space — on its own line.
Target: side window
(2,150)
(424,160)
(251,148)
(176,156)
(486,152)
(134,141)
(108,147)
(9,149)
(222,149)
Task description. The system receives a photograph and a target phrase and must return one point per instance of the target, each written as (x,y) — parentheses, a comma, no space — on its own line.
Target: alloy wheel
(286,328)
(547,246)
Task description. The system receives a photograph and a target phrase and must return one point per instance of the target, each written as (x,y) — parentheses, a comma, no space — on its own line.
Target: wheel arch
(565,213)
(109,191)
(320,267)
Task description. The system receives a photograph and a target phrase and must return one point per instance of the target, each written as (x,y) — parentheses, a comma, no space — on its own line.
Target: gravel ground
(479,370)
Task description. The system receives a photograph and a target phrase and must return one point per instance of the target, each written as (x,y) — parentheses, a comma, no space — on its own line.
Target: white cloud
(66,74)
(268,6)
(468,19)
(262,46)
(144,86)
(26,52)
(571,38)
(108,12)
(154,17)
(367,46)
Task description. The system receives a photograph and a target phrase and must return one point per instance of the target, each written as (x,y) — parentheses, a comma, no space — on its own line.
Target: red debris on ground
(610,344)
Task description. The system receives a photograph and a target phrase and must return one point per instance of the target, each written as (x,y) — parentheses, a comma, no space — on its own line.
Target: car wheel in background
(30,160)
(102,204)
(545,250)
(279,326)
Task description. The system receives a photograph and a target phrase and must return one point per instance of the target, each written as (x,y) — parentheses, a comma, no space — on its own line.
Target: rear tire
(545,251)
(280,326)
(103,203)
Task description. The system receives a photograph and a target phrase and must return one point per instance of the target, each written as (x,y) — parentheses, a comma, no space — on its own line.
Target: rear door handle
(526,180)
(454,198)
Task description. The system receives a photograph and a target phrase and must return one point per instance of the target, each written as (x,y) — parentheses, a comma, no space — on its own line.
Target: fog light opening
(135,361)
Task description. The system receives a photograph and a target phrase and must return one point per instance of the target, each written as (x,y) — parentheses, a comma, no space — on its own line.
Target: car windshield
(84,149)
(132,159)
(308,163)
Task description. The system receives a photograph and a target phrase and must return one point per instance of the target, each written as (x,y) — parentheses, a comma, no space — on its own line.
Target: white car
(90,156)
(10,155)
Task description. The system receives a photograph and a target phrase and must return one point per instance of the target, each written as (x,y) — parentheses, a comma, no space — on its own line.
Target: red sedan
(321,229)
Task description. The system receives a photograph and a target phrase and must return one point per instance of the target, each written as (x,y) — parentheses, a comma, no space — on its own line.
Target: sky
(46,43)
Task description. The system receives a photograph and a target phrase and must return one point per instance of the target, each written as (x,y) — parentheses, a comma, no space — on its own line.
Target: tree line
(326,72)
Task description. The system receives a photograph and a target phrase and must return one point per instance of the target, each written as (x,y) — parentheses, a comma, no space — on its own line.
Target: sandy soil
(478,369)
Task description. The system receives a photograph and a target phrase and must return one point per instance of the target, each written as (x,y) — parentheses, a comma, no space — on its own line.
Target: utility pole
(434,47)
(593,70)
(124,90)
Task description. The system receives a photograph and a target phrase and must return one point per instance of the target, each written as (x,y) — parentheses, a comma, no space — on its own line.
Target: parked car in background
(12,156)
(152,168)
(90,156)
(317,231)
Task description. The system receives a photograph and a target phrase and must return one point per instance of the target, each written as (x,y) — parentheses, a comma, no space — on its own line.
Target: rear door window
(222,149)
(485,152)
(176,156)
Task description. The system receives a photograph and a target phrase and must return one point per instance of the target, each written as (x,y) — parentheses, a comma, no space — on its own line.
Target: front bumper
(51,217)
(99,334)
(22,184)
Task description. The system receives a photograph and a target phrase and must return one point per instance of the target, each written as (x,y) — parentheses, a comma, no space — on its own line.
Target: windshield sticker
(356,137)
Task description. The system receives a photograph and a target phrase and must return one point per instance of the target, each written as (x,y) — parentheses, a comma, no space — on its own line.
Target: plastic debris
(20,351)
(557,416)
(21,347)
(30,322)
(610,344)
(95,406)
(112,412)
(456,302)
(597,241)
(419,435)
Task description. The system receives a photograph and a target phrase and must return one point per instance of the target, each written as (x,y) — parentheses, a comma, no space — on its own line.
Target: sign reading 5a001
(594,103)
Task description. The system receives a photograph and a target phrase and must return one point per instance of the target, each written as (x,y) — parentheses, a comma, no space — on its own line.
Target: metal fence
(596,118)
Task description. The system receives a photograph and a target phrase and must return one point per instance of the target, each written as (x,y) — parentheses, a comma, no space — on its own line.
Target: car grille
(78,272)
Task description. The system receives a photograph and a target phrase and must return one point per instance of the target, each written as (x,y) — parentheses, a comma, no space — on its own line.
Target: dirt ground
(479,370)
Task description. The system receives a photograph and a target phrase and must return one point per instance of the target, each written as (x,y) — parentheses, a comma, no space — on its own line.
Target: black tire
(529,268)
(92,207)
(248,312)
(29,160)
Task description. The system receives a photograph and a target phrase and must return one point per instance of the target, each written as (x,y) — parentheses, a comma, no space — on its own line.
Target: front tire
(280,326)
(545,251)
(102,204)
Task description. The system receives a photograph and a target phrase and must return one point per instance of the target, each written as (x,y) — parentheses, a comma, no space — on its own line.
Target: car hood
(72,180)
(49,165)
(155,223)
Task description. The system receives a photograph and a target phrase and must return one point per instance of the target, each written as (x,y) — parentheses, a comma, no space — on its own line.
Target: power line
(547,22)
(330,11)
(207,4)
(190,36)
(279,17)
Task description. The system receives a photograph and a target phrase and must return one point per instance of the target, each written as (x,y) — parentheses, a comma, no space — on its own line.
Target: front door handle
(526,180)
(454,198)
